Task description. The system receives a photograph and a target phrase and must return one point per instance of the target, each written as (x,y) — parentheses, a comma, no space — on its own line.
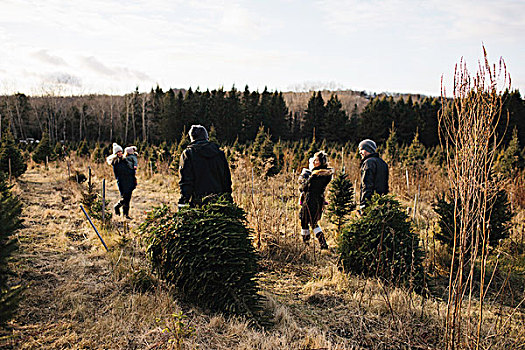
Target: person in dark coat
(203,169)
(312,186)
(126,180)
(374,172)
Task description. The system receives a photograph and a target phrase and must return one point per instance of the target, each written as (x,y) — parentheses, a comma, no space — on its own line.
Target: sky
(113,46)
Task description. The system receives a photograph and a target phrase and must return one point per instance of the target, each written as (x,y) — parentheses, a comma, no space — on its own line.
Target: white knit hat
(130,150)
(116,148)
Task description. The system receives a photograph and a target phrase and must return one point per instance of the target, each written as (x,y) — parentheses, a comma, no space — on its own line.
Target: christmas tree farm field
(78,295)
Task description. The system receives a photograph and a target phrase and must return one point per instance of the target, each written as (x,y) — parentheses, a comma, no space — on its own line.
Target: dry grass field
(78,296)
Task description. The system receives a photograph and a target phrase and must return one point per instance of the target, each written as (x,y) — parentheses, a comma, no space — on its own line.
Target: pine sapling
(341,200)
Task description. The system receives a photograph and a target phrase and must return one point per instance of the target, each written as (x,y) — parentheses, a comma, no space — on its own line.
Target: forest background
(343,117)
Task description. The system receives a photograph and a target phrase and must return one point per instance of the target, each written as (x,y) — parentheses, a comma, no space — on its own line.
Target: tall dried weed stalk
(468,136)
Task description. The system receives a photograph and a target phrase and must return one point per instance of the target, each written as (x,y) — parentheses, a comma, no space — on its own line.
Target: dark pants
(125,198)
(310,214)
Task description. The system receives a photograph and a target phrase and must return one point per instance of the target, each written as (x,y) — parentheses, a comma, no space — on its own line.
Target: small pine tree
(10,222)
(212,136)
(341,200)
(262,156)
(93,203)
(511,161)
(152,158)
(391,147)
(9,153)
(415,155)
(259,140)
(207,254)
(165,154)
(279,154)
(98,155)
(83,149)
(382,243)
(267,158)
(184,142)
(59,151)
(500,211)
(437,158)
(43,150)
(312,149)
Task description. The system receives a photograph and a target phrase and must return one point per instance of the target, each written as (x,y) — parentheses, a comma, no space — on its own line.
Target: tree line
(158,116)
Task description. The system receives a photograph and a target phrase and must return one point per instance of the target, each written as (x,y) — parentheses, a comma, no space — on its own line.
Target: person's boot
(320,236)
(126,213)
(306,235)
(117,208)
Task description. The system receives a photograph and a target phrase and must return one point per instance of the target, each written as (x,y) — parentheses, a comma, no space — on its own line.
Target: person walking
(203,170)
(126,180)
(312,185)
(374,172)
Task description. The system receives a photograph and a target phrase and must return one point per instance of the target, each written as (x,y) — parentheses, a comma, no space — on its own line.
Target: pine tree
(83,149)
(212,136)
(416,154)
(98,155)
(59,151)
(233,116)
(259,140)
(392,147)
(278,126)
(427,120)
(335,126)
(206,253)
(314,147)
(499,223)
(184,142)
(382,243)
(511,161)
(263,156)
(314,116)
(171,116)
(250,120)
(9,153)
(376,119)
(279,154)
(10,222)
(341,200)
(404,117)
(43,150)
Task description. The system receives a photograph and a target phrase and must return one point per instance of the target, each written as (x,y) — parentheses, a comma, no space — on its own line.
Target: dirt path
(70,279)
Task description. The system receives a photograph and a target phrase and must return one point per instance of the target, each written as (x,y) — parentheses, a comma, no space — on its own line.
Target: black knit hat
(198,132)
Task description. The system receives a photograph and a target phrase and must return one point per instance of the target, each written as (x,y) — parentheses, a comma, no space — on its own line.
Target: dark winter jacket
(313,189)
(203,170)
(374,177)
(125,176)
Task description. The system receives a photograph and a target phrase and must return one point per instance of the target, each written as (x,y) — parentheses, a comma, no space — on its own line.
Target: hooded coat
(313,189)
(203,170)
(125,176)
(374,177)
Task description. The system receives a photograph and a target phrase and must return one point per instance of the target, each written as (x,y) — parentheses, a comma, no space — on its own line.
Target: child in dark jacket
(130,153)
(312,197)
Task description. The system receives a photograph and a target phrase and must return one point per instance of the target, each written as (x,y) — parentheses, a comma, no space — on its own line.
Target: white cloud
(61,78)
(450,19)
(115,72)
(45,57)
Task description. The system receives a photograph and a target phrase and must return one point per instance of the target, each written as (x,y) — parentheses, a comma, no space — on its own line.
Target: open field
(78,296)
